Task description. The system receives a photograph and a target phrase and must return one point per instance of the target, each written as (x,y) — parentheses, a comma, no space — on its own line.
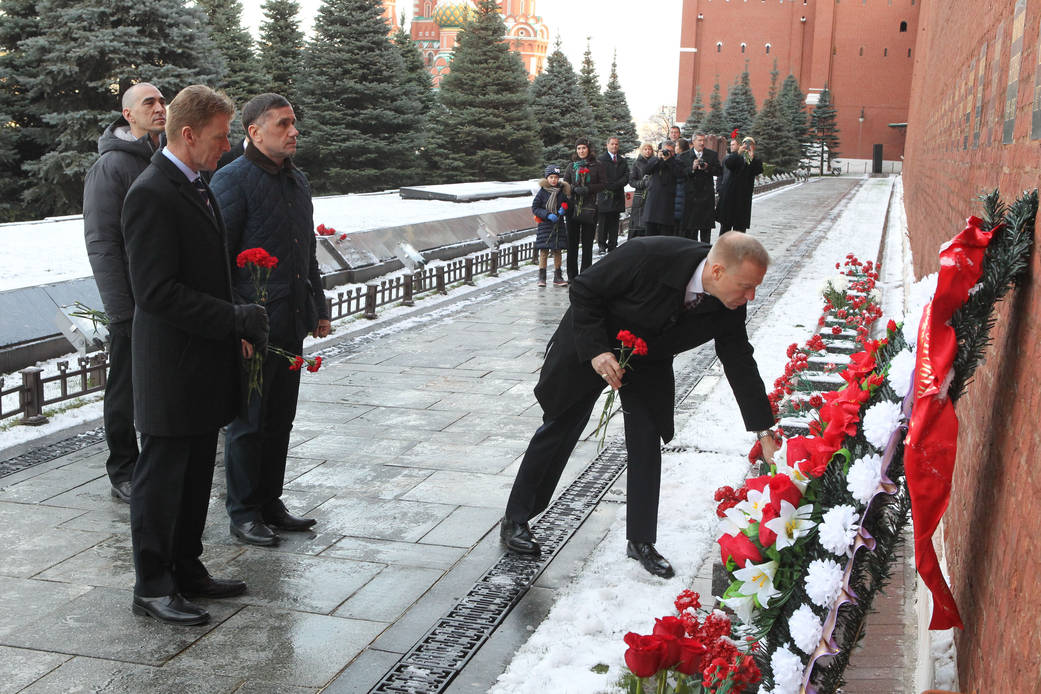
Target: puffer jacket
(550,236)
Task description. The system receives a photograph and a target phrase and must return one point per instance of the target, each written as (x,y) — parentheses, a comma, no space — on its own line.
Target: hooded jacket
(122,159)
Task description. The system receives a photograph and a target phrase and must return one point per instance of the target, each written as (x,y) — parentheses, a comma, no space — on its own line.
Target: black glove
(580,190)
(251,325)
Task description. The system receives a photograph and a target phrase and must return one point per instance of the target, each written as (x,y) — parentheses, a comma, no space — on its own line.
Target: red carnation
(343,236)
(733,134)
(321,229)
(563,206)
(640,348)
(626,338)
(296,364)
(583,171)
(688,599)
(316,365)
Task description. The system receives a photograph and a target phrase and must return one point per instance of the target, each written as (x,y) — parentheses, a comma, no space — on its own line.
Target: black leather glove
(580,190)
(251,325)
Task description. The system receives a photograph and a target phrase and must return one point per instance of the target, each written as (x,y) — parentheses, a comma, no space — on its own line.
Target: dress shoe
(121,491)
(649,558)
(284,520)
(210,587)
(172,609)
(255,533)
(517,537)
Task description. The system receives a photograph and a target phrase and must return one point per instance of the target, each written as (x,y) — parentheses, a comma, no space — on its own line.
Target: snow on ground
(613,594)
(52,250)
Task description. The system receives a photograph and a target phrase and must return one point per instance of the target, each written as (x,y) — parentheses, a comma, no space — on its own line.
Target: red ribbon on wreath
(932,437)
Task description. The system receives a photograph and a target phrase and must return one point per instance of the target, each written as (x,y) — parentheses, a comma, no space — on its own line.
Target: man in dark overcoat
(662,171)
(187,335)
(734,208)
(676,294)
(699,207)
(611,200)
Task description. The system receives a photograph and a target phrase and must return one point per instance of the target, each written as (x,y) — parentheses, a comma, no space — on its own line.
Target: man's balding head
(144,108)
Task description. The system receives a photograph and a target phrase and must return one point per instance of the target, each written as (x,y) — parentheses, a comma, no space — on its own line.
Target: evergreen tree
(697,115)
(560,108)
(589,82)
(416,74)
(242,78)
(793,103)
(773,136)
(18,118)
(739,111)
(282,48)
(715,122)
(824,129)
(360,119)
(618,119)
(484,129)
(74,71)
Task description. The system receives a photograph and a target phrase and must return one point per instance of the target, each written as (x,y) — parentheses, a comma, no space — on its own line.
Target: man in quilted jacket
(266,203)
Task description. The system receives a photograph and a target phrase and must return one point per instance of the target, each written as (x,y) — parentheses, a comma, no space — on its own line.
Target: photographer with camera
(699,198)
(663,171)
(734,209)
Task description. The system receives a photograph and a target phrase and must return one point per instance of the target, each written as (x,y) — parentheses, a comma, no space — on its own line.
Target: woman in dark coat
(660,208)
(638,181)
(586,177)
(734,209)
(551,235)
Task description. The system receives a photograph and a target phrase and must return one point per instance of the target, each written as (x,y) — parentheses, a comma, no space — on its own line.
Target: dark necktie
(693,303)
(203,193)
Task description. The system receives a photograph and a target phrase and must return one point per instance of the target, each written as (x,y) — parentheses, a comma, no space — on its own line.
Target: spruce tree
(416,74)
(484,129)
(773,137)
(793,103)
(242,78)
(824,129)
(560,108)
(85,56)
(697,115)
(715,122)
(282,48)
(739,111)
(618,119)
(589,82)
(359,128)
(18,116)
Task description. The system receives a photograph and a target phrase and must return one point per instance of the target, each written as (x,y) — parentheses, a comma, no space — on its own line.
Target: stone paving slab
(404,449)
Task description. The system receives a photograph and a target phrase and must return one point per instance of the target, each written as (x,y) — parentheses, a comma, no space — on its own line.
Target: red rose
(692,652)
(669,626)
(645,654)
(783,489)
(768,537)
(739,548)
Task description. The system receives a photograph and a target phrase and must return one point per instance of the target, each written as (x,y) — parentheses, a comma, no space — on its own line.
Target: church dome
(453,13)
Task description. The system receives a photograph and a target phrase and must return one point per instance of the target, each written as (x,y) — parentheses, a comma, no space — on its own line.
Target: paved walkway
(405,448)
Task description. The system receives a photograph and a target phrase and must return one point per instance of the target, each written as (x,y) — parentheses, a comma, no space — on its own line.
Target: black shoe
(284,520)
(254,533)
(210,587)
(121,491)
(517,537)
(172,609)
(649,558)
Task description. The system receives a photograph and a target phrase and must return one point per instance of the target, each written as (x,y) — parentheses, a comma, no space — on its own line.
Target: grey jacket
(122,160)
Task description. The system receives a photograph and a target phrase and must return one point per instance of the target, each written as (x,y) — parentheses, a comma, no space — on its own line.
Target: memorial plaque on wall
(1014,58)
(1035,125)
(981,72)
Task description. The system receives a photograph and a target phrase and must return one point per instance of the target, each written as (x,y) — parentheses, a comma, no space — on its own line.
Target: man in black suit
(187,334)
(699,198)
(611,200)
(676,294)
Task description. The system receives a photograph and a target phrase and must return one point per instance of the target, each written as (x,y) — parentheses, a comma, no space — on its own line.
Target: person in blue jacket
(550,207)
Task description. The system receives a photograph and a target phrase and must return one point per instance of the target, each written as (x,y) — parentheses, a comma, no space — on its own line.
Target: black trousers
(607,230)
(552,445)
(171,493)
(256,443)
(704,235)
(118,407)
(655,229)
(584,232)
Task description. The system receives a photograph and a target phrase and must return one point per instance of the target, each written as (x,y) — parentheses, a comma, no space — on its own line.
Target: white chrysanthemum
(921,293)
(874,295)
(788,670)
(880,421)
(865,477)
(839,283)
(838,529)
(805,629)
(901,373)
(823,581)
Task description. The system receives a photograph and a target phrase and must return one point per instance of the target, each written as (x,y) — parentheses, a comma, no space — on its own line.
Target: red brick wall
(856,46)
(994,513)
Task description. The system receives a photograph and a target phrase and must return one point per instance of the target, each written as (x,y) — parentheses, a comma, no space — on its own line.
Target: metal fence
(33,391)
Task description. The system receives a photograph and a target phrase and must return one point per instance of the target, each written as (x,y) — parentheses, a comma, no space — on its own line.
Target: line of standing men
(182,318)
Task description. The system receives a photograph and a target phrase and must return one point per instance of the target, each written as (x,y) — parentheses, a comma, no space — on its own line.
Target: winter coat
(661,190)
(699,196)
(268,206)
(551,236)
(734,208)
(594,182)
(122,160)
(638,181)
(616,175)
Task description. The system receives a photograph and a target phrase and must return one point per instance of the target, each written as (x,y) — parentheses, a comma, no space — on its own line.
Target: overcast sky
(645,33)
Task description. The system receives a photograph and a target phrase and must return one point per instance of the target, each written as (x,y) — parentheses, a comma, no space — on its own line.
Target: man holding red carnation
(675,294)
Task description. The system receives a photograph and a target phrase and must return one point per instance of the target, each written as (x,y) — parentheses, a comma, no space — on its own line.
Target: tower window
(719,46)
(743,46)
(861,50)
(908,52)
(768,49)
(885,52)
(903,27)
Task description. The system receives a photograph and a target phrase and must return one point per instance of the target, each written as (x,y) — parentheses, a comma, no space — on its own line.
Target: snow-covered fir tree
(243,78)
(793,103)
(697,114)
(589,82)
(773,136)
(715,122)
(824,129)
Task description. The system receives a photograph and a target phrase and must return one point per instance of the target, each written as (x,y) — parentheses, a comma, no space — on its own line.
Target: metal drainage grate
(44,454)
(440,655)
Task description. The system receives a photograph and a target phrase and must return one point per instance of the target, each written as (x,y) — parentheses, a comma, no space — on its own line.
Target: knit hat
(552,169)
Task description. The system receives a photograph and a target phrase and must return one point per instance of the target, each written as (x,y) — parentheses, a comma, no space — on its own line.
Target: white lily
(743,606)
(796,475)
(755,503)
(758,580)
(791,524)
(733,522)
